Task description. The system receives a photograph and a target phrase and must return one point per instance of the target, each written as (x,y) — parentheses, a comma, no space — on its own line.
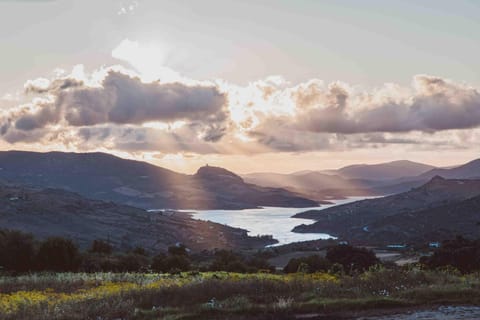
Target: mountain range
(106,177)
(382,171)
(96,195)
(362,180)
(407,216)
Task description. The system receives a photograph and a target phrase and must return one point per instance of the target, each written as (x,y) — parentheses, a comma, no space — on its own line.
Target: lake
(274,221)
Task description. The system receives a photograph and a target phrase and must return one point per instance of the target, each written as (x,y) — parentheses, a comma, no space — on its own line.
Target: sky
(277,86)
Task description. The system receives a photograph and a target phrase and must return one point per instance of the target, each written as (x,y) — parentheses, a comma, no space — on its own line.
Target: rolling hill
(356,220)
(106,177)
(363,180)
(53,212)
(383,171)
(355,180)
(469,170)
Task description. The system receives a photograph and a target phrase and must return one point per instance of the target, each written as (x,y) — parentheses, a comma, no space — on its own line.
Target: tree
(352,258)
(132,262)
(140,251)
(58,254)
(17,251)
(179,250)
(170,263)
(310,264)
(101,247)
(228,261)
(460,253)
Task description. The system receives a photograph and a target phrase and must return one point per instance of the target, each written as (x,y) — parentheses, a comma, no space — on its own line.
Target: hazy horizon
(283,85)
(194,169)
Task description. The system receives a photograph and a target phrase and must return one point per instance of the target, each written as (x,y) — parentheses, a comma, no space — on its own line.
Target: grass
(220,295)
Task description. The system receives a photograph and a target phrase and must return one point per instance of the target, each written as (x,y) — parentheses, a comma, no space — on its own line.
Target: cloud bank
(116,109)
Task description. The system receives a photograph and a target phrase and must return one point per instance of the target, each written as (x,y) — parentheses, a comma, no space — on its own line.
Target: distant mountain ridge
(363,180)
(354,180)
(384,171)
(469,170)
(106,177)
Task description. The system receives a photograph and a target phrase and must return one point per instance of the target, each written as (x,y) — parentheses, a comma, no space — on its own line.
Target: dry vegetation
(217,295)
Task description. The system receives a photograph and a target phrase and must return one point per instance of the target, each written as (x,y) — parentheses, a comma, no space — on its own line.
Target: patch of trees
(17,250)
(230,261)
(340,258)
(176,260)
(20,253)
(460,253)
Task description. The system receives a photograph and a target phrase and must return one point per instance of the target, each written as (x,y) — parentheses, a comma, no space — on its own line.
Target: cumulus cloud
(121,111)
(435,104)
(121,99)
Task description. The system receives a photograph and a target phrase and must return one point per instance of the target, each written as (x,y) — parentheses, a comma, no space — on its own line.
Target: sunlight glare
(149,60)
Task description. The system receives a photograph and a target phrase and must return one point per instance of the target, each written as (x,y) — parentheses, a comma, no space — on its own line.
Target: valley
(87,196)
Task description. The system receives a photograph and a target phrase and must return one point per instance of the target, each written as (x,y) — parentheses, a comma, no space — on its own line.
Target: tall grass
(218,294)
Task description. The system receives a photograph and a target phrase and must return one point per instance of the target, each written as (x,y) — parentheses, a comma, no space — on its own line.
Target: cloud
(434,105)
(115,109)
(123,99)
(128,8)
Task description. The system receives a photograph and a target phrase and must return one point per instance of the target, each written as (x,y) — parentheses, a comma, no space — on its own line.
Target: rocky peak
(437,179)
(210,172)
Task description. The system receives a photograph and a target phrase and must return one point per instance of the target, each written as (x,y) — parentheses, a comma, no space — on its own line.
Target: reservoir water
(274,221)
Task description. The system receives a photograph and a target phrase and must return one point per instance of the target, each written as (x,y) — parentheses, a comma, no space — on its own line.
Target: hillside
(347,220)
(354,180)
(423,226)
(52,212)
(313,184)
(384,171)
(469,170)
(106,177)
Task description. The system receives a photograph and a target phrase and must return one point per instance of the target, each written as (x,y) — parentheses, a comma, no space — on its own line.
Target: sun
(148,59)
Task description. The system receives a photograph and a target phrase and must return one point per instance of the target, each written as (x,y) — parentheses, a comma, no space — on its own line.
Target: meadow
(226,295)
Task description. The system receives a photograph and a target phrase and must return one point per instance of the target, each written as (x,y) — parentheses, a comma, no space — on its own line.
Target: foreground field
(222,295)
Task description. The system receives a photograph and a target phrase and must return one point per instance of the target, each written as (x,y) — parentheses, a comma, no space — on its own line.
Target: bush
(101,247)
(228,261)
(352,259)
(132,263)
(460,253)
(140,251)
(58,254)
(310,264)
(17,251)
(179,250)
(170,264)
(259,263)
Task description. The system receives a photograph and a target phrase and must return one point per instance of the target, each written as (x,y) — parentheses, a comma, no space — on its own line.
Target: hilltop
(106,177)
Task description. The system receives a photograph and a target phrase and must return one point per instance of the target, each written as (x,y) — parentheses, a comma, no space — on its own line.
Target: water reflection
(274,221)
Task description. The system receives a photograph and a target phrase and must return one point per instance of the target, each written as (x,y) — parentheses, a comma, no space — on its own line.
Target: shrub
(179,250)
(228,261)
(132,263)
(58,254)
(17,251)
(171,263)
(351,258)
(310,264)
(101,247)
(140,251)
(460,253)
